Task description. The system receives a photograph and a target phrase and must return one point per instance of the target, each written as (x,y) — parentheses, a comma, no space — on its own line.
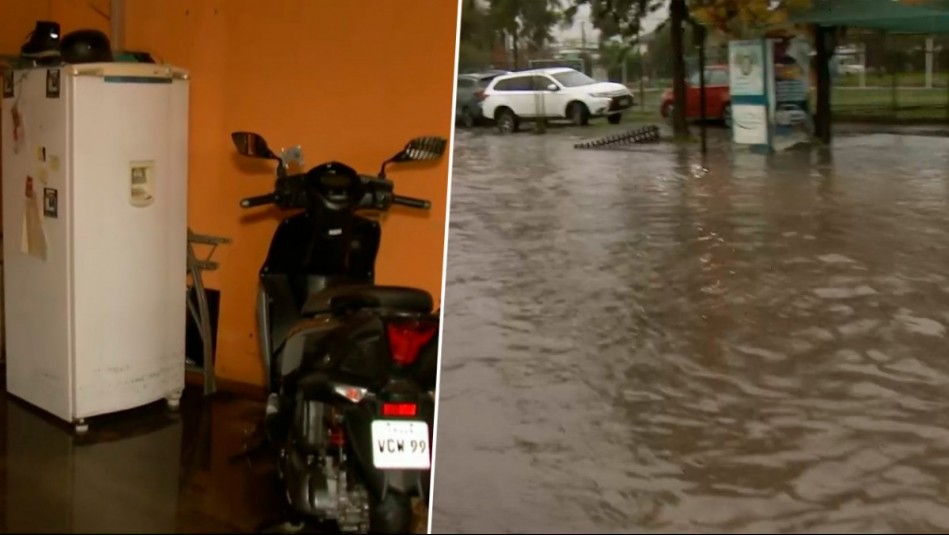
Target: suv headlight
(600,95)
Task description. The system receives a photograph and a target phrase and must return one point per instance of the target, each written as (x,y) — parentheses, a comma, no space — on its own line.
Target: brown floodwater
(643,341)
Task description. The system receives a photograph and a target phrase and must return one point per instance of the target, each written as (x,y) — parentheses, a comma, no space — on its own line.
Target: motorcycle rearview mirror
(419,149)
(253,145)
(422,148)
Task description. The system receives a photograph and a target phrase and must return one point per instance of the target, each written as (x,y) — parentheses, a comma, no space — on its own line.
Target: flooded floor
(641,341)
(148,470)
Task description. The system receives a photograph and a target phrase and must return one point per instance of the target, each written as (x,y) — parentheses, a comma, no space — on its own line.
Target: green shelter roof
(900,16)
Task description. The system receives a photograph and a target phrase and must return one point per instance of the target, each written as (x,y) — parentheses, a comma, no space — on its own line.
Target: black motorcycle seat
(368,296)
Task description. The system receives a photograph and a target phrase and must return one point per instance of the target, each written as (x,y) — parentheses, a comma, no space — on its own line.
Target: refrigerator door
(130,134)
(36,248)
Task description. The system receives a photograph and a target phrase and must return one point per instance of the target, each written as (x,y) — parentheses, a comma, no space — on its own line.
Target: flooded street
(641,341)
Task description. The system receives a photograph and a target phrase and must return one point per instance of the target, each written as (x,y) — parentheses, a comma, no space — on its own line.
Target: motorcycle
(350,366)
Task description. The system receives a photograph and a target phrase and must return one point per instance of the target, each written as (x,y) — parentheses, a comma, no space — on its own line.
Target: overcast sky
(583,17)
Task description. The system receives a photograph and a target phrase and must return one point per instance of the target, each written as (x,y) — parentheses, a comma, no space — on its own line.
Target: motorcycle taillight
(399,409)
(407,338)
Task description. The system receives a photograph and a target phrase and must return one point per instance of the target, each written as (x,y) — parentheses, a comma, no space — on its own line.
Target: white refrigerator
(95,174)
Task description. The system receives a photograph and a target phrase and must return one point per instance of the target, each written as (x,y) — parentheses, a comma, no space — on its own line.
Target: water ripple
(646,342)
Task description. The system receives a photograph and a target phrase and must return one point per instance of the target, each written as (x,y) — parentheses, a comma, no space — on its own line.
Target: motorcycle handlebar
(258,200)
(411,202)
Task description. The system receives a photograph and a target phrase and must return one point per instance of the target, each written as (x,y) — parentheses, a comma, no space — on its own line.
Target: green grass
(853,104)
(879,104)
(906,79)
(884,98)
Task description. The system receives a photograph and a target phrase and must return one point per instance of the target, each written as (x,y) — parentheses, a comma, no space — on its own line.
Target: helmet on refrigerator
(86,46)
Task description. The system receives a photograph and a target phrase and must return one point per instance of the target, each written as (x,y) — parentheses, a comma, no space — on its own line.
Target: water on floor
(148,470)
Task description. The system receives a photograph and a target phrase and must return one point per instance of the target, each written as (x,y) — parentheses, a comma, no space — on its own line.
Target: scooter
(350,366)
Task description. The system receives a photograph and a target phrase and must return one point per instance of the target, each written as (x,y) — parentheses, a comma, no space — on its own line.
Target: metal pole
(929,62)
(894,83)
(117,24)
(863,64)
(642,73)
(823,112)
(540,126)
(700,30)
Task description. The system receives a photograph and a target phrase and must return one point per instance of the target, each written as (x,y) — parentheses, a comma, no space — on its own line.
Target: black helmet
(86,46)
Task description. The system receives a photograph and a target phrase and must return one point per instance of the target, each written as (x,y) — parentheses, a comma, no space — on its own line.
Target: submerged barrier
(646,134)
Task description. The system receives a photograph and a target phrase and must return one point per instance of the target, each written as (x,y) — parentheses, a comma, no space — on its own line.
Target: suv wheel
(467,118)
(507,121)
(579,114)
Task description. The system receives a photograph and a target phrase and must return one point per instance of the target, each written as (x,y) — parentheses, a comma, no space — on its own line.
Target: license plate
(400,445)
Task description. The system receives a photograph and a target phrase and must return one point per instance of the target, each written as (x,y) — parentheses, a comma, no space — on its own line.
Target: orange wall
(349,81)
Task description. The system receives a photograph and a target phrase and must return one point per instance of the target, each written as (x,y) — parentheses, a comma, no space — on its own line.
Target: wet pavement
(643,341)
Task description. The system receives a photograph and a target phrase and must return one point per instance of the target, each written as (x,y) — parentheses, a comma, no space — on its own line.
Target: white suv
(552,94)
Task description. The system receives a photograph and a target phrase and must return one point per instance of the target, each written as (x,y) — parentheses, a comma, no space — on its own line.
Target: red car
(717,96)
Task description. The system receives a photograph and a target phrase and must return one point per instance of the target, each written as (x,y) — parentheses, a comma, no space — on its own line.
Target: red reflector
(398,409)
(407,339)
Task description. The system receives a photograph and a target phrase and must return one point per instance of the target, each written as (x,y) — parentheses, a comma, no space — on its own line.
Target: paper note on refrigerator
(18,129)
(33,239)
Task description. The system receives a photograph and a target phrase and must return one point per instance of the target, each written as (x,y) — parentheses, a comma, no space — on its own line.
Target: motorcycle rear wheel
(390,515)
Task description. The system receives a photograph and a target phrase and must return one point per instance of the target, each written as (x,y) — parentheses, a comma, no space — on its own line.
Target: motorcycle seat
(353,296)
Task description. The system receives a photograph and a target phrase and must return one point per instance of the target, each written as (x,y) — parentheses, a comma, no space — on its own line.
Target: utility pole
(117,24)
(642,73)
(929,62)
(678,12)
(700,37)
(824,51)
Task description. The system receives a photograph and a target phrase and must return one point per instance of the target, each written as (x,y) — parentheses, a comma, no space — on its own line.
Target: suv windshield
(573,79)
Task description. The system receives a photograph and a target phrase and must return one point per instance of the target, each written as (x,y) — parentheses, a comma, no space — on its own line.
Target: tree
(659,52)
(538,17)
(738,18)
(530,20)
(617,57)
(476,37)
